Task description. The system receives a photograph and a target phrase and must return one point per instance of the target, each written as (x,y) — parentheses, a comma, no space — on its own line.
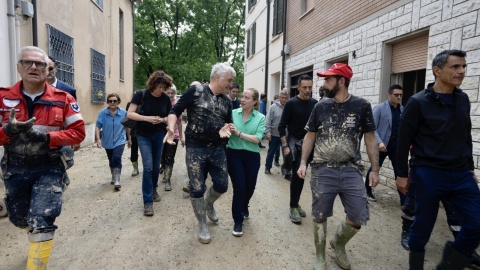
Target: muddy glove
(14,127)
(37,136)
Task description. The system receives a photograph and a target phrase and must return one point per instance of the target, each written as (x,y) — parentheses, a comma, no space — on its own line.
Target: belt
(52,158)
(332,164)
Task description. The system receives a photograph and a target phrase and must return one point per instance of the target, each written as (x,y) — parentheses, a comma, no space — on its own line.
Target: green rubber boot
(211,197)
(167,175)
(344,233)
(135,168)
(320,238)
(198,205)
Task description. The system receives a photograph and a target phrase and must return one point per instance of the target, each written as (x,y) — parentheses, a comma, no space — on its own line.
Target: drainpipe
(267,49)
(12,41)
(34,24)
(133,45)
(284,40)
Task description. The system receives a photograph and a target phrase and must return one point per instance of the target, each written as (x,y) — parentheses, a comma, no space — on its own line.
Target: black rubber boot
(452,259)
(415,260)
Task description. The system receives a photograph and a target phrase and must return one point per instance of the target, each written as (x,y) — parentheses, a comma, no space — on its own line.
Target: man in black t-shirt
(294,117)
(335,129)
(209,110)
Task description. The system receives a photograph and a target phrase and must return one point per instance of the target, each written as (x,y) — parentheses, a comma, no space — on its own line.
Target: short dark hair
(53,60)
(347,81)
(304,77)
(263,95)
(393,87)
(235,85)
(441,58)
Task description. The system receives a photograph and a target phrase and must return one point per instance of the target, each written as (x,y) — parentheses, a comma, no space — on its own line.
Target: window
(121,44)
(251,3)
(98,76)
(307,5)
(99,3)
(60,47)
(251,40)
(278,17)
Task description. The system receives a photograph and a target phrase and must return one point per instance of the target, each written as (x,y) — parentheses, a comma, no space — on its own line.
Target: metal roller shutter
(410,54)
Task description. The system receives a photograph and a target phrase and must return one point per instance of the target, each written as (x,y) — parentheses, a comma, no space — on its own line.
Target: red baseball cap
(337,69)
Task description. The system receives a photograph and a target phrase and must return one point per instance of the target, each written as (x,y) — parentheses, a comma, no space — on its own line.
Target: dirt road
(103,229)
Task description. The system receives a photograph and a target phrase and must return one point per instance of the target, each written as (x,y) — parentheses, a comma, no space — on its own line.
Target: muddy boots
(212,196)
(38,255)
(344,233)
(415,260)
(320,234)
(452,259)
(135,168)
(116,178)
(113,178)
(198,205)
(167,174)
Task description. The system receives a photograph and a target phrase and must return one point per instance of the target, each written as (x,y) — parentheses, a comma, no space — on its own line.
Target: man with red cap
(335,128)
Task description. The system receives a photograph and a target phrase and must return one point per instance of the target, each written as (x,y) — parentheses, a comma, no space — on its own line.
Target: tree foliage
(185,38)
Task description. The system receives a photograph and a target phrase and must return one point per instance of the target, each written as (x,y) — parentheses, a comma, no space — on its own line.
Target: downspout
(284,40)
(12,39)
(267,49)
(133,45)
(34,24)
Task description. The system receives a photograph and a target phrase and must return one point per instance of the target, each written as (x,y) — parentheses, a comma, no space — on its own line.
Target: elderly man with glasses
(37,121)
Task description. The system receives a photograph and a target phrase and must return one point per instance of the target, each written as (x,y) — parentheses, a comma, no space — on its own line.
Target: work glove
(14,127)
(37,136)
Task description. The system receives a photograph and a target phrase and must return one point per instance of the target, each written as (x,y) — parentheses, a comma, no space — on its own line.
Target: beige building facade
(91,40)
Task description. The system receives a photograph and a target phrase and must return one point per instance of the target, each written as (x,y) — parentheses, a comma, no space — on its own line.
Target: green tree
(185,38)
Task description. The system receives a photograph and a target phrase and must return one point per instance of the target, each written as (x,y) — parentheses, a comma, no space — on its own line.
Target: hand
(402,184)
(374,179)
(182,141)
(268,137)
(153,119)
(99,143)
(34,135)
(169,138)
(302,170)
(129,143)
(286,151)
(382,147)
(225,131)
(14,127)
(475,177)
(75,147)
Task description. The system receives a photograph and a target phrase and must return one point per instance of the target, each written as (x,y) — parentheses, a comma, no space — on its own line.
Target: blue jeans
(243,169)
(35,199)
(273,148)
(457,187)
(151,150)
(203,160)
(115,156)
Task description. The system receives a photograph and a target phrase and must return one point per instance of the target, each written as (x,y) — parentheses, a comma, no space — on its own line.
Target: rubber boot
(38,255)
(135,168)
(116,177)
(320,238)
(415,260)
(406,224)
(212,196)
(344,233)
(167,174)
(452,259)
(113,178)
(198,205)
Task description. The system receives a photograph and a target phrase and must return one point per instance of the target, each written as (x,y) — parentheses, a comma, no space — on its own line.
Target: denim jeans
(458,188)
(273,147)
(115,156)
(243,169)
(151,150)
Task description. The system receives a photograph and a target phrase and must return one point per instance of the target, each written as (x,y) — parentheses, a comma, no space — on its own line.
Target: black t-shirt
(152,106)
(339,128)
(295,116)
(206,115)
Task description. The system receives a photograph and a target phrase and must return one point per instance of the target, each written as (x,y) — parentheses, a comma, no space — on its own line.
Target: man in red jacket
(37,120)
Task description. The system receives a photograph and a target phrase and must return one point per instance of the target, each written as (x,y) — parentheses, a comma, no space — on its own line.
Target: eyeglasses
(398,95)
(29,63)
(50,68)
(112,101)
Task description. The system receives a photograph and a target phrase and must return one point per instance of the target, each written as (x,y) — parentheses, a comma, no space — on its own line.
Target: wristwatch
(285,145)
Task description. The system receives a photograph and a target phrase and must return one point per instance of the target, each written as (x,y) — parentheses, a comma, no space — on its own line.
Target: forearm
(247,137)
(171,121)
(307,146)
(97,133)
(372,151)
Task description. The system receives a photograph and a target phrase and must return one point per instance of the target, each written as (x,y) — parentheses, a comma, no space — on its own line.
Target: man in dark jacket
(53,81)
(436,123)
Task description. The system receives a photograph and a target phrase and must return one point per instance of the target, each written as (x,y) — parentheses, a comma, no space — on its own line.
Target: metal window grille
(60,47)
(98,76)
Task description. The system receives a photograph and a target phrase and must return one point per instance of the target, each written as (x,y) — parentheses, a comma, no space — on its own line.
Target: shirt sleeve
(260,127)
(368,123)
(409,122)
(312,122)
(99,123)
(184,101)
(282,126)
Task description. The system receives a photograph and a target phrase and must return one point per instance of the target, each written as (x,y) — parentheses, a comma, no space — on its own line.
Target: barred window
(60,47)
(98,76)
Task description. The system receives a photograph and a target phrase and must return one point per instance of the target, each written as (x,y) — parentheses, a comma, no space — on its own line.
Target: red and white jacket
(56,113)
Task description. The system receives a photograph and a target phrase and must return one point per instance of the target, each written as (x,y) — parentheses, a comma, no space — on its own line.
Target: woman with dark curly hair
(151,129)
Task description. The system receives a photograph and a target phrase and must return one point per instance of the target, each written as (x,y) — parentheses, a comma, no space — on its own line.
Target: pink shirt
(176,132)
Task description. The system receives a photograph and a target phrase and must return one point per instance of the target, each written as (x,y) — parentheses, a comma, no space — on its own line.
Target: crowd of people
(223,139)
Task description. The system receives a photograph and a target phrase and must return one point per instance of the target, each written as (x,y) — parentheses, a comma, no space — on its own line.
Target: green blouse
(255,125)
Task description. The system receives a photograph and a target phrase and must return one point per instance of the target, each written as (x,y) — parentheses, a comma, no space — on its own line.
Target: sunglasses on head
(398,95)
(112,101)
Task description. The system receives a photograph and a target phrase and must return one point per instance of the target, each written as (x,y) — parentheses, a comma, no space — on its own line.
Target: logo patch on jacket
(11,102)
(75,106)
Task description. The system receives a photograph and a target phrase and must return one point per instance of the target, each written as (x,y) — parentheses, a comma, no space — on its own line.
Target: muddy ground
(103,229)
